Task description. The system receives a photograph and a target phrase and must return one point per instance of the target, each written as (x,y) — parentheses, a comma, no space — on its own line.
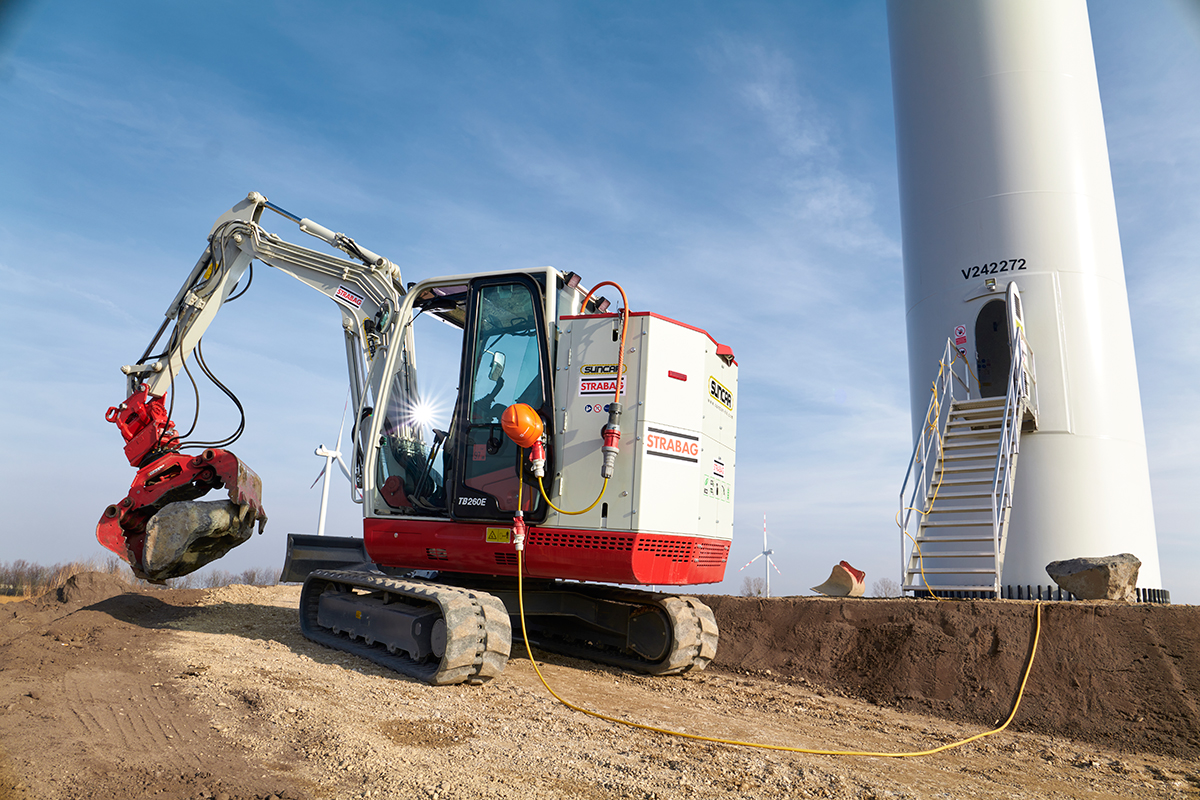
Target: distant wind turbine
(330,456)
(768,565)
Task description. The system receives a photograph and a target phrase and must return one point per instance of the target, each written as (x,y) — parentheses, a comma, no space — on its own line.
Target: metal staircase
(957,494)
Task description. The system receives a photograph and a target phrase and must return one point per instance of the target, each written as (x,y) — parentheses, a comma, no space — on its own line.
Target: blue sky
(731,164)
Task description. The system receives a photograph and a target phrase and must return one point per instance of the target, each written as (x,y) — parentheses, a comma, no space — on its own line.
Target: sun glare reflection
(431,411)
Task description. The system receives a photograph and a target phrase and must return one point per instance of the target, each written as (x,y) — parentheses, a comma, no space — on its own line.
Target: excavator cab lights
(522,424)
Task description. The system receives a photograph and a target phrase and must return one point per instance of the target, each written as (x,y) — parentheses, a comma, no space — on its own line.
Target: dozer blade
(163,532)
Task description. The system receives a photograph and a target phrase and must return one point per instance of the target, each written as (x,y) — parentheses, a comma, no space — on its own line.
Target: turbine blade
(319,474)
(751,561)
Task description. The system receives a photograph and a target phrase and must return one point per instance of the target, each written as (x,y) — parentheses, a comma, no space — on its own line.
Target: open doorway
(993,358)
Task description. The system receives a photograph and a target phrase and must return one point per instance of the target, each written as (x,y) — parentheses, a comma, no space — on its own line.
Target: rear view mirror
(497,366)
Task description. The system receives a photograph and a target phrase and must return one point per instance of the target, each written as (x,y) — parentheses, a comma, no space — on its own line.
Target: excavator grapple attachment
(161,529)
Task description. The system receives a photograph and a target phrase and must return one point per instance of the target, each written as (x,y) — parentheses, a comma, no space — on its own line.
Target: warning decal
(717,488)
(669,444)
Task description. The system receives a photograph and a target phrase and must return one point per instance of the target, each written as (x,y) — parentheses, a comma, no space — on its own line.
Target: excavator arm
(160,528)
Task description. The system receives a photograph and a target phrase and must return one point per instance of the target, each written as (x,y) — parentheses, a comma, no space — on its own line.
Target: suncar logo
(599,370)
(719,393)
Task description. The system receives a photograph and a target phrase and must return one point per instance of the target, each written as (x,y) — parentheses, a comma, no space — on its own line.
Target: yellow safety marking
(499,535)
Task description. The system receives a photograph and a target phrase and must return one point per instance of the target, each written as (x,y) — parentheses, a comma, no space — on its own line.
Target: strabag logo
(669,444)
(350,297)
(600,385)
(719,393)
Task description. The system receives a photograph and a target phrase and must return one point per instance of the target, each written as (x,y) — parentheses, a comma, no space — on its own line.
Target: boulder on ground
(844,581)
(1100,578)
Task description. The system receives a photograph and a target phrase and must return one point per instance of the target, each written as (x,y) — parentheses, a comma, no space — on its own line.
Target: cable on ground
(757,745)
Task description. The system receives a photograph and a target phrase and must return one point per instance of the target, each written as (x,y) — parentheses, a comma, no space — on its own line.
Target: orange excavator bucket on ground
(161,528)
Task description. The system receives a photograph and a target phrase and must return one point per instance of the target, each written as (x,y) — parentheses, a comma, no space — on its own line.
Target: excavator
(494,486)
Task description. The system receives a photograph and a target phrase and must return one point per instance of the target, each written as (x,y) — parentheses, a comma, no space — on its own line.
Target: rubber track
(478,631)
(693,634)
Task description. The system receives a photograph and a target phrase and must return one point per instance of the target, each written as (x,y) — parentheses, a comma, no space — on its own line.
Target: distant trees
(22,578)
(885,587)
(753,587)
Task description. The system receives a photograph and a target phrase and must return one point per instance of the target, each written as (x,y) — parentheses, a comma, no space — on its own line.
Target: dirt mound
(1115,673)
(86,588)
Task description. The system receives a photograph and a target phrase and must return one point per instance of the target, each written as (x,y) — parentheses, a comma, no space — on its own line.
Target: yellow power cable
(717,740)
(572,513)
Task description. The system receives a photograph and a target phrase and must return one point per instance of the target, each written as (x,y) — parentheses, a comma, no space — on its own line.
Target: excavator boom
(161,527)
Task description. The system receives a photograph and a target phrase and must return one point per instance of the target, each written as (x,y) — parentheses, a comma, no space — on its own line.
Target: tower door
(993,357)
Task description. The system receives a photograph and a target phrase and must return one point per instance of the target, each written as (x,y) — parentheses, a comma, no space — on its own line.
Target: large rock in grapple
(184,536)
(1102,578)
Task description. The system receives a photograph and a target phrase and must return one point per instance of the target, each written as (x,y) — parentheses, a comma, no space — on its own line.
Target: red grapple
(173,478)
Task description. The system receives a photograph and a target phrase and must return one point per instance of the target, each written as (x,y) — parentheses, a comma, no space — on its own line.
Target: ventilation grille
(704,554)
(679,552)
(437,554)
(506,559)
(589,541)
(712,554)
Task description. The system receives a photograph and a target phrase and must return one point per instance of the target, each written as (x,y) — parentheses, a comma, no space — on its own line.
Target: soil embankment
(1127,675)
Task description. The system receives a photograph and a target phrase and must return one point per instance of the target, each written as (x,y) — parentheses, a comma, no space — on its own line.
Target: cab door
(504,362)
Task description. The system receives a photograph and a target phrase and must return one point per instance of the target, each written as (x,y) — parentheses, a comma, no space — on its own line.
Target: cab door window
(504,362)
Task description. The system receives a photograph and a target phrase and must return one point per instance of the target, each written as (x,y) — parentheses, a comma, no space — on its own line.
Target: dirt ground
(214,695)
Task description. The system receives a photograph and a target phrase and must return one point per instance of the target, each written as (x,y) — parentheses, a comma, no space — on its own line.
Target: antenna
(330,456)
(768,565)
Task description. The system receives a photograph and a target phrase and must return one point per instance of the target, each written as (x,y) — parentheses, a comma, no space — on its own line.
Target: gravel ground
(215,696)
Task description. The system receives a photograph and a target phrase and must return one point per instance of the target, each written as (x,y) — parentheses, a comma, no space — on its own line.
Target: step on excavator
(509,446)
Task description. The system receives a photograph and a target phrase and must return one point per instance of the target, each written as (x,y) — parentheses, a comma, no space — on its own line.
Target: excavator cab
(445,453)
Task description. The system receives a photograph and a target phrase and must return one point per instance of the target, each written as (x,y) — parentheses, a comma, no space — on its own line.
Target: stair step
(951,443)
(981,402)
(920,587)
(960,420)
(982,416)
(960,509)
(924,540)
(956,571)
(936,499)
(944,490)
(940,524)
(956,554)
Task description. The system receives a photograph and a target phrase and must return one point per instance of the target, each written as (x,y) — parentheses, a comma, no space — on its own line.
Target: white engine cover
(675,470)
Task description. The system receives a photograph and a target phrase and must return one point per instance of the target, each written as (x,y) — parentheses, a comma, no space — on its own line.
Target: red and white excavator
(541,385)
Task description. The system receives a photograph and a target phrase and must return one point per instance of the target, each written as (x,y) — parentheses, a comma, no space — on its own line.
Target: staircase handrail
(1021,396)
(928,447)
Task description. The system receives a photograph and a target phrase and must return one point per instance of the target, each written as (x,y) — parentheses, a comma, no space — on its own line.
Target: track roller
(639,631)
(438,634)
